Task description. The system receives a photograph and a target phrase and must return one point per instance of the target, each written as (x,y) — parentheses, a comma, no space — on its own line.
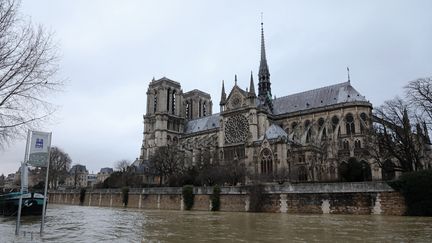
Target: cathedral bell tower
(164,119)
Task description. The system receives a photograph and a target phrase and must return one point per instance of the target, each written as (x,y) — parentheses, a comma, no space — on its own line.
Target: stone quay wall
(317,198)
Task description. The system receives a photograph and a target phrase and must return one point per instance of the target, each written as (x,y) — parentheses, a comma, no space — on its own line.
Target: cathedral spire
(223,94)
(263,74)
(252,86)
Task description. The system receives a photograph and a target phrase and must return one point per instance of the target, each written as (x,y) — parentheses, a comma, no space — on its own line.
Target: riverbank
(319,198)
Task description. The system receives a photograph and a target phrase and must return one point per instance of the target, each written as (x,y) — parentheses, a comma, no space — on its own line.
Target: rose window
(236,129)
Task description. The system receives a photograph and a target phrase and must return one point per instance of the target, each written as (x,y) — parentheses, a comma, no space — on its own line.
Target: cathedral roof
(164,79)
(273,132)
(202,124)
(316,98)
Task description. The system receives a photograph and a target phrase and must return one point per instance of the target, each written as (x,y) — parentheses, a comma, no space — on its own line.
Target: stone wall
(322,198)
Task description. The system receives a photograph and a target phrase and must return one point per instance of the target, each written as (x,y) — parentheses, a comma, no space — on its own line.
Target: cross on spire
(348,72)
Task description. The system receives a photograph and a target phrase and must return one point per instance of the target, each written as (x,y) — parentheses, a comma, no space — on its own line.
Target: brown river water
(66,223)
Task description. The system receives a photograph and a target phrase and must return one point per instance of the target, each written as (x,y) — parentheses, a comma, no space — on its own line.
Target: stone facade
(77,176)
(307,136)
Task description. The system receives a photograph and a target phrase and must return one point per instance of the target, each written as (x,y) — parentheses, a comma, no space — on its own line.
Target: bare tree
(28,64)
(395,138)
(60,163)
(419,92)
(167,163)
(122,165)
(209,170)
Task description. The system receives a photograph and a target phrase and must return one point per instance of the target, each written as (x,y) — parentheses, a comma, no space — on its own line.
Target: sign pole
(46,187)
(23,167)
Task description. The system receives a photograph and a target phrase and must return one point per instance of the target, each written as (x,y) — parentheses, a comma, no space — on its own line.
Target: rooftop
(202,124)
(321,97)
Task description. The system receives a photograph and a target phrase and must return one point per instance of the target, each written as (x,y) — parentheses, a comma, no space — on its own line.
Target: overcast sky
(110,51)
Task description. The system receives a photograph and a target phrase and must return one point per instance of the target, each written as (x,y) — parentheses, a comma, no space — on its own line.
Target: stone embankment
(319,198)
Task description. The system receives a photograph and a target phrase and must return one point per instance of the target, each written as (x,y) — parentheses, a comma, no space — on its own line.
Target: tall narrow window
(155,102)
(357,144)
(199,108)
(191,109)
(345,145)
(363,122)
(187,109)
(204,109)
(322,128)
(266,162)
(350,126)
(320,123)
(173,102)
(168,100)
(308,130)
(335,122)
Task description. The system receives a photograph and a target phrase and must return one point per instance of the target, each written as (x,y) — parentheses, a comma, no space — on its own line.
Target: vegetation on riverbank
(125,196)
(188,196)
(215,198)
(416,187)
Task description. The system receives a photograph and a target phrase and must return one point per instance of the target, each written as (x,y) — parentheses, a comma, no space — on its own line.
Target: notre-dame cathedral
(311,135)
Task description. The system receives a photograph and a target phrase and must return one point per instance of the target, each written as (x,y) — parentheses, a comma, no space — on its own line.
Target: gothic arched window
(350,126)
(357,144)
(308,130)
(363,122)
(187,109)
(266,161)
(204,109)
(173,102)
(335,122)
(155,101)
(168,99)
(345,145)
(200,109)
(191,109)
(293,125)
(322,127)
(320,123)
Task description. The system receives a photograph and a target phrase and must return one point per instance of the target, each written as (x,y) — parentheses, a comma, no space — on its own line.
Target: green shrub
(82,196)
(188,196)
(215,198)
(125,196)
(416,187)
(256,197)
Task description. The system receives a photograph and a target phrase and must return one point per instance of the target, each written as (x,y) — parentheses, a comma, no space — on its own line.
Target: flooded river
(92,224)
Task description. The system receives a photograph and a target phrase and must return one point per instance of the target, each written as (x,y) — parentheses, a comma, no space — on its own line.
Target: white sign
(39,148)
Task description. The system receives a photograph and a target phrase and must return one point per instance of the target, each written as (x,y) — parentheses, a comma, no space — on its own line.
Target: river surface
(66,223)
